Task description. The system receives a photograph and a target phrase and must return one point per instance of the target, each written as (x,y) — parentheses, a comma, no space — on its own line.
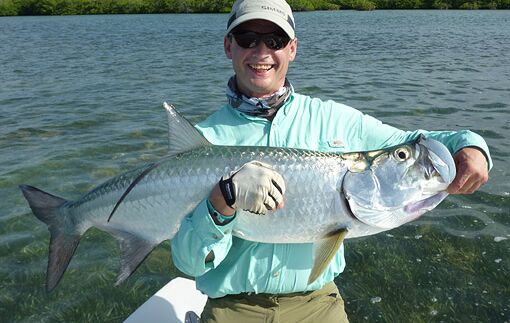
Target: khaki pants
(321,306)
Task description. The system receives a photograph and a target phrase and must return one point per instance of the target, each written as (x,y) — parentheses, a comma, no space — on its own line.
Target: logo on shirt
(336,143)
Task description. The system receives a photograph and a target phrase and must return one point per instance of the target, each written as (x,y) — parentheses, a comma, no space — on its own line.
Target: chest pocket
(332,145)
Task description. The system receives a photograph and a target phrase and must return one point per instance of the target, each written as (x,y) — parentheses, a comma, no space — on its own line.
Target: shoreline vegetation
(91,7)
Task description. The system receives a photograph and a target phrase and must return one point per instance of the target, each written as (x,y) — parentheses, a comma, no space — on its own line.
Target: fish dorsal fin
(324,251)
(182,135)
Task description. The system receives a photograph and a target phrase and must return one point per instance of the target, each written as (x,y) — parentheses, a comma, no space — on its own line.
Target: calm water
(80,101)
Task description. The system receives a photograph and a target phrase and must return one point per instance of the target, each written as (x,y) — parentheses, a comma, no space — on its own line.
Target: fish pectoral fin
(133,251)
(324,251)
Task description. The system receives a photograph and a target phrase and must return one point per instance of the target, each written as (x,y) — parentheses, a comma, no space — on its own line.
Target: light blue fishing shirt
(303,122)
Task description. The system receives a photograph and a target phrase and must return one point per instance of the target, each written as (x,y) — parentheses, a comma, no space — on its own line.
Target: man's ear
(293,49)
(227,46)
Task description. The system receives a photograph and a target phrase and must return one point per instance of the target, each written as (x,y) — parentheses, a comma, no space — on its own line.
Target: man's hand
(254,187)
(472,171)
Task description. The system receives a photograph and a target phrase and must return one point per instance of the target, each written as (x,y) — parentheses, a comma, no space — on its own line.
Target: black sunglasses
(251,39)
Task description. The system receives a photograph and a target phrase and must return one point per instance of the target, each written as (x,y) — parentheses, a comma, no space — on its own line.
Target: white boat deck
(171,304)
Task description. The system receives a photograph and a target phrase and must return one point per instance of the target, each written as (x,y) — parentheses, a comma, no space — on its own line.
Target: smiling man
(263,282)
(260,70)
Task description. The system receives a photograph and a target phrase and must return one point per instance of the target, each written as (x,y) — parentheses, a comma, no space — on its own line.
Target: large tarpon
(329,197)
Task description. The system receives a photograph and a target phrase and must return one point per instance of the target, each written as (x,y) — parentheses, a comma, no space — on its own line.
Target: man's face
(260,71)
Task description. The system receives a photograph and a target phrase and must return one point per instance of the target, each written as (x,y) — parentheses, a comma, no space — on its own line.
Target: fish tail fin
(63,244)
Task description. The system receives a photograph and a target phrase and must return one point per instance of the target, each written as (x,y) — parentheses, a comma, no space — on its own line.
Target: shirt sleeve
(196,238)
(374,134)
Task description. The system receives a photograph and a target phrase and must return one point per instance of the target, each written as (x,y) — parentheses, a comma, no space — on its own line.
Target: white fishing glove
(254,187)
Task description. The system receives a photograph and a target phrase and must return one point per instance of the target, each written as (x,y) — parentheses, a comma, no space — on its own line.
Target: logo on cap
(281,12)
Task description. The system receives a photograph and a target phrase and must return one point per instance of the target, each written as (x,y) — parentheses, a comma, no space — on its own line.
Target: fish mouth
(425,205)
(440,159)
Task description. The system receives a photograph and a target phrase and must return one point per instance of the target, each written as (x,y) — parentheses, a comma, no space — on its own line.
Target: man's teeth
(265,67)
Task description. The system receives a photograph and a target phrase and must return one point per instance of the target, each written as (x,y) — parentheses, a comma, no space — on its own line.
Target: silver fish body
(356,193)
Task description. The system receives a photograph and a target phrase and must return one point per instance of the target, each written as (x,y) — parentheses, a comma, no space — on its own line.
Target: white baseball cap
(275,11)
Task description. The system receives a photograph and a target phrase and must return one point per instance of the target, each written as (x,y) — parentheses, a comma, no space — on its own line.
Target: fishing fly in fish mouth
(351,195)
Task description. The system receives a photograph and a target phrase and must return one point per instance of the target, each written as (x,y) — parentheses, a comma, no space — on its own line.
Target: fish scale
(188,177)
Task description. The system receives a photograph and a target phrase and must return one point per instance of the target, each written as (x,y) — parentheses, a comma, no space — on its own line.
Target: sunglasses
(251,39)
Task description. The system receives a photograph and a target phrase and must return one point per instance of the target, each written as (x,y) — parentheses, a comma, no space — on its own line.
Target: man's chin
(261,89)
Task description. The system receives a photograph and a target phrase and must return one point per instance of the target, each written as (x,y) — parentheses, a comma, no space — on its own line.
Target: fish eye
(402,153)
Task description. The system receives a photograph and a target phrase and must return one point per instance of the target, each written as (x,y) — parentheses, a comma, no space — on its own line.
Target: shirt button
(276,274)
(215,236)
